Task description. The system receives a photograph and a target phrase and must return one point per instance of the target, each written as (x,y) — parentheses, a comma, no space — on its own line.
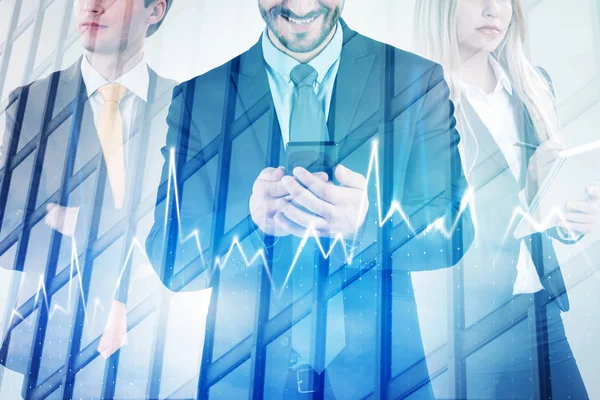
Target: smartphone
(313,156)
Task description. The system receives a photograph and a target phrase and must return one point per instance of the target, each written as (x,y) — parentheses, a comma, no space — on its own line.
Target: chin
(99,48)
(301,46)
(305,42)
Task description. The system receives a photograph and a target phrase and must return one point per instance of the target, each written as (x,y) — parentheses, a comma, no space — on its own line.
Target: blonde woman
(501,100)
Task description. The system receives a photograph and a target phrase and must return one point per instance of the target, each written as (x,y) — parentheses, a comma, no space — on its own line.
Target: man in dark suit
(77,160)
(311,322)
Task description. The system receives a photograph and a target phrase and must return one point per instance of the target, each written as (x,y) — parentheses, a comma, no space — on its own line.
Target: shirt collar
(136,80)
(283,64)
(501,77)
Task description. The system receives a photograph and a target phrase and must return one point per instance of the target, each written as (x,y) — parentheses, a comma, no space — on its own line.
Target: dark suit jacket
(490,264)
(50,122)
(223,131)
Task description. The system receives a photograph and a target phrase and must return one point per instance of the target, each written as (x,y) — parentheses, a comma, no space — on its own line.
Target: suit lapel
(541,247)
(255,99)
(355,69)
(529,136)
(70,99)
(68,87)
(487,162)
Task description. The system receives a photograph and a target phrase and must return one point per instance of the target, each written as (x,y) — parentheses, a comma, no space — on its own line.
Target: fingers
(580,217)
(272,174)
(320,189)
(349,178)
(275,205)
(576,228)
(582,208)
(303,219)
(594,193)
(547,152)
(262,211)
(269,188)
(322,176)
(288,226)
(548,146)
(275,174)
(268,183)
(306,198)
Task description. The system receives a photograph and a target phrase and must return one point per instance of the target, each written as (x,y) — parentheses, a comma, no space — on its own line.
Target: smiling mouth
(300,21)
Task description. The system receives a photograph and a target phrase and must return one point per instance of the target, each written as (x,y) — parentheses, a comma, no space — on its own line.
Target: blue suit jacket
(223,131)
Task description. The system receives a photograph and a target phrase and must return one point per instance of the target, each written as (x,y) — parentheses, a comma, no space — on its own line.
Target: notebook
(574,171)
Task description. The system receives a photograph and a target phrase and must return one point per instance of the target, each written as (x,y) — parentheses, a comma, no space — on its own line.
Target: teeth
(301,21)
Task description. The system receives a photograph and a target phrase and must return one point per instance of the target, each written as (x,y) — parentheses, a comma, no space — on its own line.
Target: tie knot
(113,92)
(304,75)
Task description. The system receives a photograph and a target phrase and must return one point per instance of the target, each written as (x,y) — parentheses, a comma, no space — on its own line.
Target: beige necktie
(110,133)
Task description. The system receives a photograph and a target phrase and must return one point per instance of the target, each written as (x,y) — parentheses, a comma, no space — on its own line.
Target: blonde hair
(435,37)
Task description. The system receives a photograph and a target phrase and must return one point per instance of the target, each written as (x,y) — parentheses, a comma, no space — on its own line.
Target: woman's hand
(580,217)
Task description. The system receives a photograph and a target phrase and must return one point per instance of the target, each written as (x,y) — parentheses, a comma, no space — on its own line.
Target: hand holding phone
(312,156)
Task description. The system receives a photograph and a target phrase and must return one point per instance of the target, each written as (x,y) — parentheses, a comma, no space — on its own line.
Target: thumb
(347,177)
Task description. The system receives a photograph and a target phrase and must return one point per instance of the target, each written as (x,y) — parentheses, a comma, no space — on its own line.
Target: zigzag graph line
(221,262)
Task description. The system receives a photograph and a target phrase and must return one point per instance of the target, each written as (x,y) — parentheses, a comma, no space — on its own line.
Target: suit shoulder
(214,78)
(402,57)
(37,89)
(544,75)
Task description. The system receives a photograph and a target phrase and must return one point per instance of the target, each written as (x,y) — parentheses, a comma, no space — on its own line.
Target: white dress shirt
(497,111)
(137,81)
(279,67)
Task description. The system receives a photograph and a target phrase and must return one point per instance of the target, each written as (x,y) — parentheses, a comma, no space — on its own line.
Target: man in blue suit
(313,322)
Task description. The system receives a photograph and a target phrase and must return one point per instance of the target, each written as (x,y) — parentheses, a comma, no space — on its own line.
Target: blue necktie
(307,123)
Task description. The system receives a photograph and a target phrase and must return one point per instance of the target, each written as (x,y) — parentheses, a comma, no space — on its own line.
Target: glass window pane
(72,53)
(18,59)
(88,381)
(234,385)
(251,147)
(134,361)
(6,13)
(52,24)
(490,368)
(186,325)
(567,53)
(28,7)
(17,196)
(58,332)
(106,269)
(9,287)
(236,303)
(21,340)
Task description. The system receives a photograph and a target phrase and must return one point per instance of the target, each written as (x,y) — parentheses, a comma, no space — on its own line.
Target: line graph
(259,256)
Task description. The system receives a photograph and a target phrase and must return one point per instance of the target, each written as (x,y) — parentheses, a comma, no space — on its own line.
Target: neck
(475,70)
(302,57)
(112,66)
